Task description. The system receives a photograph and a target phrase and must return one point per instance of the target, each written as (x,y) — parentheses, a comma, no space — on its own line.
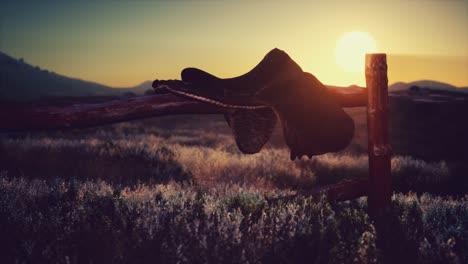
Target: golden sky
(123,43)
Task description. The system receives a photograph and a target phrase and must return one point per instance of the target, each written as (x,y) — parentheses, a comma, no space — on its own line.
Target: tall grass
(154,159)
(175,193)
(66,221)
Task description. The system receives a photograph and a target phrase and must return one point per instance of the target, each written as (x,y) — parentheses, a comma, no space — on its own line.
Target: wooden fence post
(379,149)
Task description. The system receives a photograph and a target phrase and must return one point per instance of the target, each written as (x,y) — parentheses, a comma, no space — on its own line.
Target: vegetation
(69,221)
(168,191)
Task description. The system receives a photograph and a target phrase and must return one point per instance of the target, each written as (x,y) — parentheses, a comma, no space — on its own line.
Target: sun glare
(351,49)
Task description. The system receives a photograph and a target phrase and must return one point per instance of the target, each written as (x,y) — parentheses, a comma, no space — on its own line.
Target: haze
(127,42)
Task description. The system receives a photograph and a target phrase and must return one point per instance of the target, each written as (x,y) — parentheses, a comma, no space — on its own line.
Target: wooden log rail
(24,117)
(19,117)
(378,187)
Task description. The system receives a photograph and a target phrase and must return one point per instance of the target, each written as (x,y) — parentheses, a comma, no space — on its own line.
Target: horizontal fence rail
(37,115)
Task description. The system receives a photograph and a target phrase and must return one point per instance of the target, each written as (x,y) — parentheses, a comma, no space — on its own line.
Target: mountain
(427,84)
(340,87)
(20,81)
(140,88)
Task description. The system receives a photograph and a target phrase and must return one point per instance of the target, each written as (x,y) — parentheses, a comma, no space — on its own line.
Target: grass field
(177,190)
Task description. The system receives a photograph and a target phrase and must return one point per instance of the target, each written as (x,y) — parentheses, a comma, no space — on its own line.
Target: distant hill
(339,87)
(426,84)
(20,81)
(140,88)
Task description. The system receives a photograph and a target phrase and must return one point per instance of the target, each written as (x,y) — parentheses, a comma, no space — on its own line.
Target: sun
(351,49)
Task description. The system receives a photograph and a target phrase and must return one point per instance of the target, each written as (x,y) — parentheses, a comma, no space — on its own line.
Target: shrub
(93,221)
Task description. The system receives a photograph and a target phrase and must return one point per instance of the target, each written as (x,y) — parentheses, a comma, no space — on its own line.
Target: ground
(177,189)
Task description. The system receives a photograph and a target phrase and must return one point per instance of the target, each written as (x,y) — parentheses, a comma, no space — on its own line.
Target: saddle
(313,123)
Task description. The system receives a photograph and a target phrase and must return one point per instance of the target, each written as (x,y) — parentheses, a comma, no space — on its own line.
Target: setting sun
(351,49)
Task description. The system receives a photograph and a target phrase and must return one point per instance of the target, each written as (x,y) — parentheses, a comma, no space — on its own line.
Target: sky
(123,43)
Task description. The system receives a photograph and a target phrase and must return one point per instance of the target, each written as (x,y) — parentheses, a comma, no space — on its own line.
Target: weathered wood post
(379,149)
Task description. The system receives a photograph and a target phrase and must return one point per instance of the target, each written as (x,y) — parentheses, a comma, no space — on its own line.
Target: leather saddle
(313,123)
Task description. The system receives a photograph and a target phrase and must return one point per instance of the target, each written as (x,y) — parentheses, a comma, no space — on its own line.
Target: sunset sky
(123,43)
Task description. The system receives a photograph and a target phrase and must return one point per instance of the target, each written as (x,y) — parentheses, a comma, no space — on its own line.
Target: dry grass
(214,160)
(169,191)
(68,221)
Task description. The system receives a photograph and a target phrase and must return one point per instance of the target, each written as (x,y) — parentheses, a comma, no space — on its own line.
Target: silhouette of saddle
(313,123)
(238,91)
